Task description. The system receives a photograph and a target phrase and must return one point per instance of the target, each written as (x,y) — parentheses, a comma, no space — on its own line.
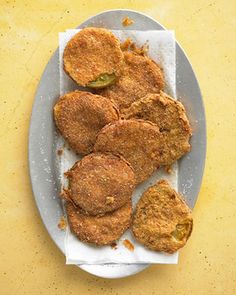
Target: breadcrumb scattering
(62,223)
(60,152)
(127,21)
(129,45)
(114,246)
(128,245)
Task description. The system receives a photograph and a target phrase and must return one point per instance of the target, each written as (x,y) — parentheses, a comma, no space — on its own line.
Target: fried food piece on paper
(138,141)
(170,116)
(141,75)
(99,230)
(79,117)
(93,58)
(162,220)
(100,183)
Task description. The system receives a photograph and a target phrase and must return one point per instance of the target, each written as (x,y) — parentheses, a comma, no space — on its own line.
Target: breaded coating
(80,115)
(170,116)
(99,230)
(100,183)
(141,75)
(138,141)
(91,53)
(162,220)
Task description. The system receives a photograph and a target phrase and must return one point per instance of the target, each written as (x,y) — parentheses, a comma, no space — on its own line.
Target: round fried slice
(170,116)
(138,141)
(162,220)
(99,230)
(93,54)
(101,183)
(80,115)
(141,75)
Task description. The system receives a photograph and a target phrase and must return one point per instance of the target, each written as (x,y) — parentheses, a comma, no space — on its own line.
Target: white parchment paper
(161,50)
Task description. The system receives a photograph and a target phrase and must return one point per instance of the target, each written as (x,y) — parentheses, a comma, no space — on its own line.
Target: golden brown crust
(162,220)
(170,116)
(90,53)
(141,75)
(99,230)
(100,183)
(80,115)
(136,140)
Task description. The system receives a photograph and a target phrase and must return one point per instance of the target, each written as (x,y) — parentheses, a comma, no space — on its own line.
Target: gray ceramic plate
(42,138)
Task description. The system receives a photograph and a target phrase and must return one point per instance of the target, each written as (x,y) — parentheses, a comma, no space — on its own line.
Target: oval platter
(42,134)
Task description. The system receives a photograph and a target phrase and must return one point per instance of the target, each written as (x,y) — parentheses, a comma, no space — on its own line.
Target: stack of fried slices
(126,128)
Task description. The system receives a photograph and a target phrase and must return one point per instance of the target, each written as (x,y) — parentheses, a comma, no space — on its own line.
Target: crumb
(140,50)
(128,245)
(129,45)
(64,194)
(60,152)
(168,169)
(109,200)
(62,223)
(114,246)
(127,21)
(126,44)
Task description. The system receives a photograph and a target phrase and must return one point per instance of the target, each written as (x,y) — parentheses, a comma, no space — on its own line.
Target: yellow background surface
(30,263)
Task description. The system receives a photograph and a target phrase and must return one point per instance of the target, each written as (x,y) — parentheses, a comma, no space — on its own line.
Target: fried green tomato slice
(99,230)
(141,75)
(162,220)
(102,81)
(170,116)
(100,183)
(93,58)
(79,117)
(138,141)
